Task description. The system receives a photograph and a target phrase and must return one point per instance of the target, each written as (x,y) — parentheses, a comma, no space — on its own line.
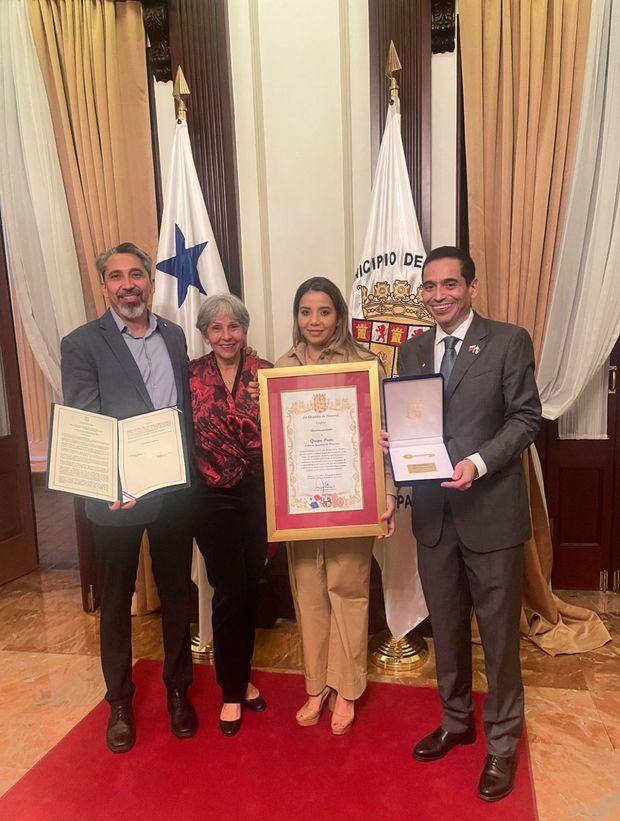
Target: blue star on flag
(182,266)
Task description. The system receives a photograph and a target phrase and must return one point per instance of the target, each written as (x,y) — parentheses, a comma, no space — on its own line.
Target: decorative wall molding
(443,26)
(409,26)
(347,139)
(261,173)
(155,16)
(462,210)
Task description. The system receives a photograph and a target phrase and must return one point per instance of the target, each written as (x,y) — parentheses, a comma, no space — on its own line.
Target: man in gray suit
(471,529)
(125,363)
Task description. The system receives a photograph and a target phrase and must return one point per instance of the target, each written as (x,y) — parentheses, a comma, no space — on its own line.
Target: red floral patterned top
(227,437)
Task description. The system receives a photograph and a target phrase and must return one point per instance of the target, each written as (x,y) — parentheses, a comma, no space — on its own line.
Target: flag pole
(385,652)
(180,91)
(393,64)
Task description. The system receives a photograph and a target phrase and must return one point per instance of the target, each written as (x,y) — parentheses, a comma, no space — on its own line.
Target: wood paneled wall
(199,43)
(408,24)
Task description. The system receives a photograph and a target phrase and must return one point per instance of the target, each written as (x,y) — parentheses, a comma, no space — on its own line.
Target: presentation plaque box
(100,457)
(324,471)
(414,420)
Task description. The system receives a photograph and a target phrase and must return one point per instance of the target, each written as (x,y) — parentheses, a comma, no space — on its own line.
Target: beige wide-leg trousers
(330,581)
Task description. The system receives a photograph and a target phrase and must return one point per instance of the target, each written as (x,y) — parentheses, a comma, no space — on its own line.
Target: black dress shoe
(230,727)
(257,704)
(120,735)
(440,742)
(498,777)
(183,718)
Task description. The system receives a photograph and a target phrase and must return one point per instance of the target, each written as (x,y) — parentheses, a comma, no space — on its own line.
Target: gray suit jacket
(99,374)
(492,407)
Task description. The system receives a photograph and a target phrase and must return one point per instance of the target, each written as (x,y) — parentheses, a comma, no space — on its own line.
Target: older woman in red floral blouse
(230,530)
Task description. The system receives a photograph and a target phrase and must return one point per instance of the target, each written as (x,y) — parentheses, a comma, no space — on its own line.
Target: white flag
(189,267)
(387,309)
(188,270)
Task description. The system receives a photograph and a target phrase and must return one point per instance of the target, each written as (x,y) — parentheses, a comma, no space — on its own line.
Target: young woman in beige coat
(330,578)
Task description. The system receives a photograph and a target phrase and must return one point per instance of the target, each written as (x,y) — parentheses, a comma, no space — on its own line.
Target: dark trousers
(232,535)
(117,550)
(454,580)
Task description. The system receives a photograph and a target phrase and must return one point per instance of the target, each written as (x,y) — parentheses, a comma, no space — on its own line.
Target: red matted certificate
(324,473)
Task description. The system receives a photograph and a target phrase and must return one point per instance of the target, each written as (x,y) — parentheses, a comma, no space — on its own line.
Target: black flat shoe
(230,727)
(257,704)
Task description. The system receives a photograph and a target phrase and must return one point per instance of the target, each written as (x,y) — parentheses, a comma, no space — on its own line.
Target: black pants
(232,536)
(117,550)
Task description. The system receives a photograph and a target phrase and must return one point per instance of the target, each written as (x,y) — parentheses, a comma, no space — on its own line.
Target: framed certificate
(324,473)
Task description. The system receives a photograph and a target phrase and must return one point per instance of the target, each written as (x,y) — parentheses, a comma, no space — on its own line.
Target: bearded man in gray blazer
(471,529)
(126,363)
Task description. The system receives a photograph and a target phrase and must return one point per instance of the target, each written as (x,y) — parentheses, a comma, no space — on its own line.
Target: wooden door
(18,547)
(582,482)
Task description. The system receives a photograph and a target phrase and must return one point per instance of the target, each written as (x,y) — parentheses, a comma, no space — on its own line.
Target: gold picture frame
(323,465)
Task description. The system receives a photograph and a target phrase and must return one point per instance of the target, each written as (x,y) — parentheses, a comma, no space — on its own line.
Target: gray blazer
(492,407)
(99,374)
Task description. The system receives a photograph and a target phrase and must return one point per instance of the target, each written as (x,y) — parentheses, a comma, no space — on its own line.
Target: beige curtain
(523,70)
(92,55)
(37,398)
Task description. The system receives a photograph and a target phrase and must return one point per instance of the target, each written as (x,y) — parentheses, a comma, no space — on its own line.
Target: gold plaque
(422,467)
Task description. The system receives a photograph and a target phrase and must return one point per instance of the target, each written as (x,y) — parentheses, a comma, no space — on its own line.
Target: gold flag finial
(392,65)
(179,91)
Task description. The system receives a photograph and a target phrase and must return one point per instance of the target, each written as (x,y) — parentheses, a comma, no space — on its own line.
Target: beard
(134,310)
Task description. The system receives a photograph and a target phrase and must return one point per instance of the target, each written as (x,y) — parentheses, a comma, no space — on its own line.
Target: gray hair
(123,248)
(222,305)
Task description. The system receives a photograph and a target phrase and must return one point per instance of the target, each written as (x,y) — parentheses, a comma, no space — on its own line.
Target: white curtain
(42,261)
(584,316)
(587,417)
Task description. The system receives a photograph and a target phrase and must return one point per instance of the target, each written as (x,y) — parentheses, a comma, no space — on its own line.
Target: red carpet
(272,769)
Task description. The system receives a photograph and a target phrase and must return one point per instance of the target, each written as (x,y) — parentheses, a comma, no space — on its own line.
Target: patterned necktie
(448,359)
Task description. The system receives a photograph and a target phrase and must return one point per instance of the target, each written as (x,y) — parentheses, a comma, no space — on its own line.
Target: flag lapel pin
(475,349)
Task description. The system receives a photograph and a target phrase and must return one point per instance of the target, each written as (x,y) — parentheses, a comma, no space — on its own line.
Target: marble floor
(50,678)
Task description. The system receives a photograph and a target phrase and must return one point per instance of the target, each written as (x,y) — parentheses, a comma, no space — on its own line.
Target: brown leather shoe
(440,742)
(497,779)
(183,718)
(120,734)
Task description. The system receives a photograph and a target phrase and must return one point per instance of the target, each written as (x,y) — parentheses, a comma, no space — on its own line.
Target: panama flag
(188,267)
(188,270)
(386,309)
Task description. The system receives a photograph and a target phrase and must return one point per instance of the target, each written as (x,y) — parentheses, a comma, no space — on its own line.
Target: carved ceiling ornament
(155,14)
(443,25)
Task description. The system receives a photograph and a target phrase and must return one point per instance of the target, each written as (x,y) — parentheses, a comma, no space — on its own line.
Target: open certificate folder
(101,457)
(414,418)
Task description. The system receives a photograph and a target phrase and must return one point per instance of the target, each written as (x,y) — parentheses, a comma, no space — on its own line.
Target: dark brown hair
(342,338)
